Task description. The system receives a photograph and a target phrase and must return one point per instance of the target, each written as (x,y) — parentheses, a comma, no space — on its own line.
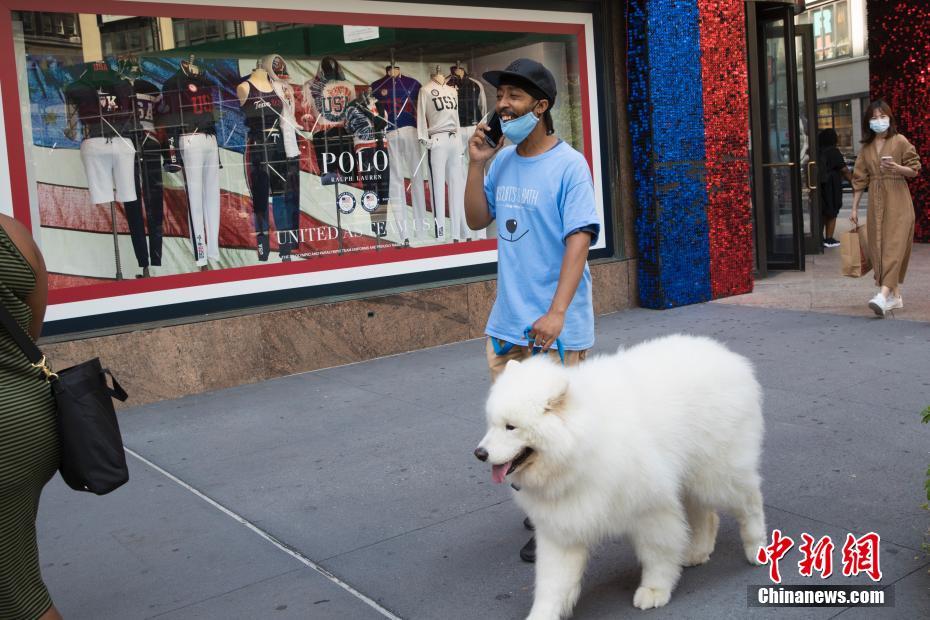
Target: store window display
(229,154)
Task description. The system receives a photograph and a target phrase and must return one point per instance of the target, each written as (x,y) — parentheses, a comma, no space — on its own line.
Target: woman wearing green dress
(28,436)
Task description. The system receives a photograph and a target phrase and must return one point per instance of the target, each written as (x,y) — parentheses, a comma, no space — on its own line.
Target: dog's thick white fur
(647,443)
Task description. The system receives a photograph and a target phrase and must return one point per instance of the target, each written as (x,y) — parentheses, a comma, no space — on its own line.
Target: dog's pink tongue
(499,472)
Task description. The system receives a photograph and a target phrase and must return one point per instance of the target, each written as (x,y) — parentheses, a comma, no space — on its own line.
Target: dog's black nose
(481,453)
(511,226)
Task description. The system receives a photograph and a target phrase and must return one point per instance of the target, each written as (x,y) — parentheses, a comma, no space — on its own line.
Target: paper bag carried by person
(854,251)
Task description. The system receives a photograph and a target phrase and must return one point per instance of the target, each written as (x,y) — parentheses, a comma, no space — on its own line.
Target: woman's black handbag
(91,447)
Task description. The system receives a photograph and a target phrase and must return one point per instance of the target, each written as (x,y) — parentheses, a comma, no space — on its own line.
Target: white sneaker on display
(894,303)
(878,304)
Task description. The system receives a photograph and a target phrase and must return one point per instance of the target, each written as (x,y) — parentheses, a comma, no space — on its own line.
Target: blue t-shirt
(538,202)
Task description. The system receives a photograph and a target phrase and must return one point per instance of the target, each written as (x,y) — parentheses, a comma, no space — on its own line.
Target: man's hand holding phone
(485,141)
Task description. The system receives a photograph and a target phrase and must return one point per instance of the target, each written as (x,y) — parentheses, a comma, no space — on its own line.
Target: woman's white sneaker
(894,303)
(878,304)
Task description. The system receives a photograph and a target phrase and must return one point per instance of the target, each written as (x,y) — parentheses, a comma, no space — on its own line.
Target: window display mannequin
(372,170)
(472,103)
(148,172)
(264,98)
(327,96)
(438,129)
(188,102)
(276,67)
(397,94)
(101,100)
(473,107)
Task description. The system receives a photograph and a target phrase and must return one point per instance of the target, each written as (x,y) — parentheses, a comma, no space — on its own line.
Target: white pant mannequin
(108,163)
(200,155)
(406,161)
(445,163)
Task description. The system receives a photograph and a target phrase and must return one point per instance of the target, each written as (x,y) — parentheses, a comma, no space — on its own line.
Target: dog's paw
(647,598)
(752,553)
(536,614)
(696,558)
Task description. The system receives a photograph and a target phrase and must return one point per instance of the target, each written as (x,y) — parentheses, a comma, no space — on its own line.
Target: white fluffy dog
(646,443)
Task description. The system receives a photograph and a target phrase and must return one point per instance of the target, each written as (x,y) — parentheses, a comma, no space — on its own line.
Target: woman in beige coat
(884,164)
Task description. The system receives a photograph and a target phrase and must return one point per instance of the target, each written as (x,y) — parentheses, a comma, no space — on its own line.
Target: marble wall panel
(177,360)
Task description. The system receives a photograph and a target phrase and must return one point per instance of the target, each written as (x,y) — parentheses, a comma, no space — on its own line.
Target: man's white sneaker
(878,304)
(894,303)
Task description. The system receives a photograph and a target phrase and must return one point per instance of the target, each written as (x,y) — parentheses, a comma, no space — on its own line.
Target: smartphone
(493,135)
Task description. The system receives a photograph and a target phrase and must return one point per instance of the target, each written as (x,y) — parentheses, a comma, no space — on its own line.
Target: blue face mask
(519,128)
(879,125)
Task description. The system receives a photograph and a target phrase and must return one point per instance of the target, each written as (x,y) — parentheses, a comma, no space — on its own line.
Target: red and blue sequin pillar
(726,145)
(899,73)
(667,132)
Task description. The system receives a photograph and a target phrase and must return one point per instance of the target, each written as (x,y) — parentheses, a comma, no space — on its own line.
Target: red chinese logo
(817,557)
(860,555)
(771,554)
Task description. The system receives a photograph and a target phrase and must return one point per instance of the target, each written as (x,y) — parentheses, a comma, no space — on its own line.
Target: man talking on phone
(540,191)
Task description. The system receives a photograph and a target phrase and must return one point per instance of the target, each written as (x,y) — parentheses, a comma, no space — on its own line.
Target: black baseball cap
(524,71)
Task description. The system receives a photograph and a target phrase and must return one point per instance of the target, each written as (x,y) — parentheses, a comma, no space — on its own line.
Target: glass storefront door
(784,140)
(807,104)
(781,151)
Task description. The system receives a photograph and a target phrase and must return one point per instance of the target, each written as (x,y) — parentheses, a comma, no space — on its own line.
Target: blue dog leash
(503,349)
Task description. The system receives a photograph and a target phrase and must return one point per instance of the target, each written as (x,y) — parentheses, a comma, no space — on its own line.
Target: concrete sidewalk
(352,492)
(822,288)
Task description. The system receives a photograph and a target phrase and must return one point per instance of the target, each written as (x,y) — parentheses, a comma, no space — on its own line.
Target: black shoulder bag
(91,447)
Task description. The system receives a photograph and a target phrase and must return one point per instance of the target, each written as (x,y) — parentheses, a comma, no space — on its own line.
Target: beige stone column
(166,33)
(90,37)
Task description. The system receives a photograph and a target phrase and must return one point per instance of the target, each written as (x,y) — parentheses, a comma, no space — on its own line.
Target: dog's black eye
(510,427)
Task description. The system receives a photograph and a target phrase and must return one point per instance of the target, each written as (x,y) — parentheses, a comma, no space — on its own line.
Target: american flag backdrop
(76,235)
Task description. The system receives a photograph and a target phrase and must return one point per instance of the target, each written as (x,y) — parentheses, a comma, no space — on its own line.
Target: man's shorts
(496,363)
(109,163)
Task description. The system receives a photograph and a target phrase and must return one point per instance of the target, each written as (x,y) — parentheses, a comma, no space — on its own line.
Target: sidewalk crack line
(274,541)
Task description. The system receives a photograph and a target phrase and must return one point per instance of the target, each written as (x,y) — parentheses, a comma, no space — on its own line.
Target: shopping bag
(854,252)
(90,443)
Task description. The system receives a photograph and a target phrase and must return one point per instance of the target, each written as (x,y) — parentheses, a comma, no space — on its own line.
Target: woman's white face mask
(880,124)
